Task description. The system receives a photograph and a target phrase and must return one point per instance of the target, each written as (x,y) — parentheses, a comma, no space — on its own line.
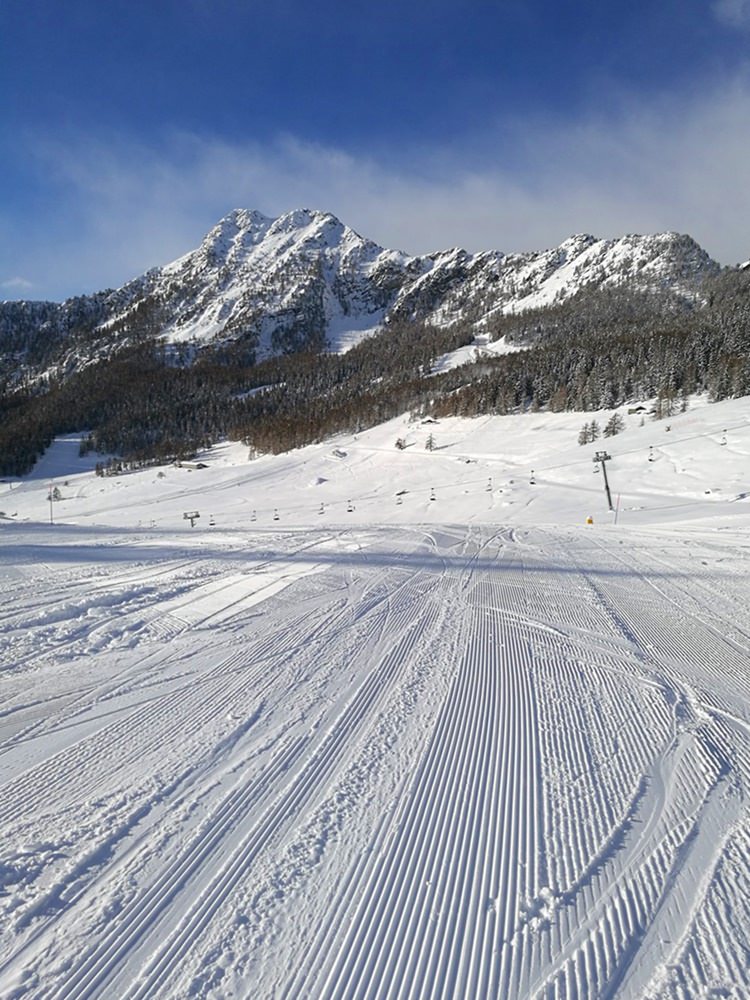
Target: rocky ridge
(307,281)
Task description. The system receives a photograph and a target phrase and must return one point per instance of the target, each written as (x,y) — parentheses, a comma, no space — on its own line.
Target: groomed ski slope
(463,747)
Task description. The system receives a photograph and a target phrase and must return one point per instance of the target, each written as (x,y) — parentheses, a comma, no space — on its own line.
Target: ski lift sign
(192,516)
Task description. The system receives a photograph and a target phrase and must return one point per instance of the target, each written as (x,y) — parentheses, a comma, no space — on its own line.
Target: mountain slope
(307,281)
(281,332)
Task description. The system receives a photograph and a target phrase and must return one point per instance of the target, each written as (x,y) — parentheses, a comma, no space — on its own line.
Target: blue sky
(128,129)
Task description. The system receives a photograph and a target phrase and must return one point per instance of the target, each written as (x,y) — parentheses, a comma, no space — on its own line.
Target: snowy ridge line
(306,278)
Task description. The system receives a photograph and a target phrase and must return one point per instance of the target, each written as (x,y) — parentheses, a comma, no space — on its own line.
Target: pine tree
(614,425)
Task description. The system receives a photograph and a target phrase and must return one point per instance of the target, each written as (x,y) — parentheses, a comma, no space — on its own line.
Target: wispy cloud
(527,186)
(16,284)
(734,13)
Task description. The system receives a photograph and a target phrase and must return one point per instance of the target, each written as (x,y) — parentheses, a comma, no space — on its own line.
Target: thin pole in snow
(602,457)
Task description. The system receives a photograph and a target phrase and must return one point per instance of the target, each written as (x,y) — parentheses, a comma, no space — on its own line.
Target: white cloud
(16,284)
(669,166)
(734,13)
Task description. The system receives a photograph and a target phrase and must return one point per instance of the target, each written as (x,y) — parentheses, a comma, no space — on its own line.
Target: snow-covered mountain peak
(577,243)
(305,221)
(307,281)
(248,227)
(307,278)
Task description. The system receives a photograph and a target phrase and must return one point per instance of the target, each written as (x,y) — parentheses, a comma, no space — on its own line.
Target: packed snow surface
(344,740)
(471,353)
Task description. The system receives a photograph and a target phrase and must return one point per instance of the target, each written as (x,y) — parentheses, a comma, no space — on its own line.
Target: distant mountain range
(282,332)
(306,281)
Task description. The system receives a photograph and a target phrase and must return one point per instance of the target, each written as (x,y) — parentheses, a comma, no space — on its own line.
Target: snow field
(440,749)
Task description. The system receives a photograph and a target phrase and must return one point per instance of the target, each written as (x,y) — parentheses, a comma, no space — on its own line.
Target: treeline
(144,404)
(596,351)
(579,364)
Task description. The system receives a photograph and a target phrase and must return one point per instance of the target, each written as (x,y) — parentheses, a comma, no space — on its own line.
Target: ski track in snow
(379,763)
